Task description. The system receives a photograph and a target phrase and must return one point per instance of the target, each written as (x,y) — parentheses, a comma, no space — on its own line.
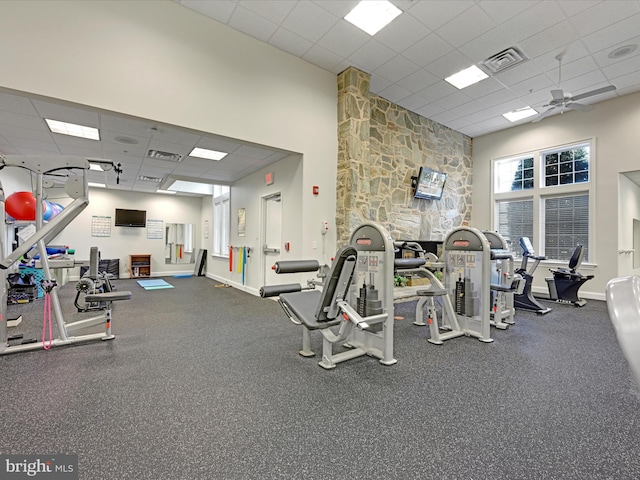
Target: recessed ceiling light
(95,167)
(72,129)
(519,114)
(97,185)
(466,77)
(208,154)
(166,192)
(372,16)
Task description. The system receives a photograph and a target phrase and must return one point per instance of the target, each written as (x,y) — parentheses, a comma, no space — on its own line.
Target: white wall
(161,61)
(614,125)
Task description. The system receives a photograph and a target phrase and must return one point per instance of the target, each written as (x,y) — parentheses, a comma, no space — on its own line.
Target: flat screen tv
(429,184)
(130,218)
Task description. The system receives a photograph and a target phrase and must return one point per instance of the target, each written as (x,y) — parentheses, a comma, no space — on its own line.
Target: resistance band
(244,262)
(48,286)
(230,258)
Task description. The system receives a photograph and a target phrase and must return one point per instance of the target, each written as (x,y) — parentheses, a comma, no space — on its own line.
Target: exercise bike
(565,283)
(525,300)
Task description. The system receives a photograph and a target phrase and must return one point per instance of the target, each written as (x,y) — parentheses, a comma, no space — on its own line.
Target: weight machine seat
(314,308)
(302,305)
(501,288)
(107,297)
(432,292)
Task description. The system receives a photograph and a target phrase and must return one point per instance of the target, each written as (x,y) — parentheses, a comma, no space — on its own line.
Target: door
(271,236)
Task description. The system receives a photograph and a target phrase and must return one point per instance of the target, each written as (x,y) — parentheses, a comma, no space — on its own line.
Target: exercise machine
(92,282)
(353,307)
(505,283)
(526,300)
(74,172)
(623,304)
(464,297)
(566,281)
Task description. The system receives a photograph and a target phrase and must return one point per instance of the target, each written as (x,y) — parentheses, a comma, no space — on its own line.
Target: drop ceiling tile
(583,83)
(309,21)
(322,57)
(603,15)
(252,24)
(430,110)
(413,102)
(68,114)
(578,68)
(126,126)
(220,10)
(427,50)
(486,45)
(553,39)
(274,10)
(290,42)
(614,34)
(396,69)
(378,84)
(532,84)
(9,131)
(26,143)
(523,25)
(344,39)
(437,90)
(627,83)
(338,9)
(485,87)
(435,14)
(518,73)
(620,69)
(372,54)
(21,120)
(418,80)
(573,8)
(175,135)
(114,148)
(218,144)
(394,93)
(449,64)
(454,100)
(402,32)
(83,151)
(465,27)
(602,57)
(16,104)
(502,10)
(254,153)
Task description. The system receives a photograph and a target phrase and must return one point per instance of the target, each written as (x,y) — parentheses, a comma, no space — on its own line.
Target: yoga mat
(154,284)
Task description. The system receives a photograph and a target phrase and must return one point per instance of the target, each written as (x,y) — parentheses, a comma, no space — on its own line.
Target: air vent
(149,179)
(503,60)
(157,154)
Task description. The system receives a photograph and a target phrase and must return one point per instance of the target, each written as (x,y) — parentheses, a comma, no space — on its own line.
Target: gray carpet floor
(205,383)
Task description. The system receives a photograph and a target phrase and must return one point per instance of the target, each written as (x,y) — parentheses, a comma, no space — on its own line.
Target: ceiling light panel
(208,154)
(519,114)
(64,128)
(466,77)
(372,16)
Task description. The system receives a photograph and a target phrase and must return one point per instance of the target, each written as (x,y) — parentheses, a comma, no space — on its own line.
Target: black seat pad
(303,306)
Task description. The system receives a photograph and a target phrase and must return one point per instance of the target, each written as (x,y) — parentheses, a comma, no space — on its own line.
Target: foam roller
(294,266)
(409,262)
(275,290)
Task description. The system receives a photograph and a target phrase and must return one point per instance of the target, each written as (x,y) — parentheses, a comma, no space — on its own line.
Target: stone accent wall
(380,147)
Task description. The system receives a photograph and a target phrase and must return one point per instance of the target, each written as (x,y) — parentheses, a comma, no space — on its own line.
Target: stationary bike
(525,300)
(565,283)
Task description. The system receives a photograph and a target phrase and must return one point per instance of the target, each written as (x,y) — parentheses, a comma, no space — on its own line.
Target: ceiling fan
(562,101)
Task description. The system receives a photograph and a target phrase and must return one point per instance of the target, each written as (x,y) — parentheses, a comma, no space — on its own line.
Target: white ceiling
(432,39)
(407,60)
(126,140)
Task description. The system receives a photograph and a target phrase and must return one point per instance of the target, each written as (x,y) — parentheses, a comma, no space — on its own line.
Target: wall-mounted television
(429,184)
(130,218)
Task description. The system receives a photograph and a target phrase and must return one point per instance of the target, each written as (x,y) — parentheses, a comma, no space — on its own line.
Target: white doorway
(271,236)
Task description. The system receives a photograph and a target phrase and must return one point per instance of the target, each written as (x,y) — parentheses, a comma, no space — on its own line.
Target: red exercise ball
(21,205)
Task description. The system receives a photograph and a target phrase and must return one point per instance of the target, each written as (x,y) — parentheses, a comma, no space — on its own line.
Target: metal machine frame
(76,186)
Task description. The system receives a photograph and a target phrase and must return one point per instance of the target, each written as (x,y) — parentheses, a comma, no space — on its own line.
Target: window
(221,207)
(545,196)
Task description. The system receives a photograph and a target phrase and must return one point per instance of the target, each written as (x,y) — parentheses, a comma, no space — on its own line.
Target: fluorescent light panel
(72,129)
(96,185)
(95,167)
(372,16)
(466,77)
(519,114)
(208,154)
(166,192)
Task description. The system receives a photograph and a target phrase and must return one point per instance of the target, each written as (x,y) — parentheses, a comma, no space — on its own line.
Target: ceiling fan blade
(579,106)
(543,115)
(597,91)
(557,94)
